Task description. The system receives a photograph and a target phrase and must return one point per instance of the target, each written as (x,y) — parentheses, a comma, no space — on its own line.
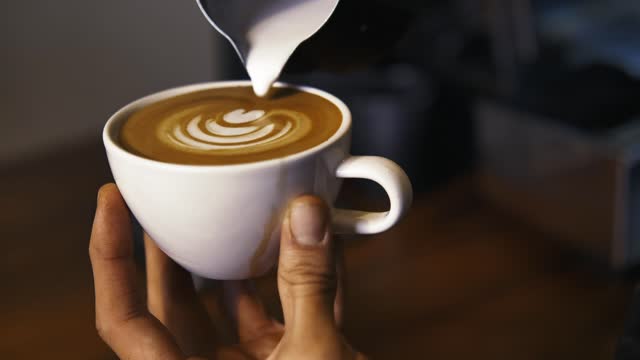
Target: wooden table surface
(456,279)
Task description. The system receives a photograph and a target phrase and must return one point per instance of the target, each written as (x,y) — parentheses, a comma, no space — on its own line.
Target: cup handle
(392,179)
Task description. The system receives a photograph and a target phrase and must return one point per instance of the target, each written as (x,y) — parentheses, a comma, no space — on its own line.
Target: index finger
(122,319)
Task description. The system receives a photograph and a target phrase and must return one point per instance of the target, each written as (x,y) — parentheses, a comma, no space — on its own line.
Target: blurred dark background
(516,120)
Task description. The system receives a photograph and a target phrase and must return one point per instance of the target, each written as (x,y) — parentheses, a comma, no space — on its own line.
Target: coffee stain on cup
(257,266)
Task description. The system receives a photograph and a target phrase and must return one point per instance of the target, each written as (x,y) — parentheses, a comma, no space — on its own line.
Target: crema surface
(230,126)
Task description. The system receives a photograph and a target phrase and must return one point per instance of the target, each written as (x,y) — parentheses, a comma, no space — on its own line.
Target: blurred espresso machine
(538,99)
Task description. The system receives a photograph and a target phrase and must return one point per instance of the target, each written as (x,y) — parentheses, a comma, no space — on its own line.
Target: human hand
(174,324)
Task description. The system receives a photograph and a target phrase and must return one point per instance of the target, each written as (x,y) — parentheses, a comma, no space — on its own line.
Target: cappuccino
(230,126)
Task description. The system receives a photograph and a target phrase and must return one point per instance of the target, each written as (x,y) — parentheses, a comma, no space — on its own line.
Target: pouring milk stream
(265,33)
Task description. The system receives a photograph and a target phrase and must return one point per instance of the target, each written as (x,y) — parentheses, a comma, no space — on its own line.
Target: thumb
(307,272)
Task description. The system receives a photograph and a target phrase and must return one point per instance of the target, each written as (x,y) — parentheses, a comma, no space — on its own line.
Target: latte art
(230,126)
(235,130)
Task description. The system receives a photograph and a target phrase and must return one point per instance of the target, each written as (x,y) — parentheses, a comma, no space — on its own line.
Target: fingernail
(308,223)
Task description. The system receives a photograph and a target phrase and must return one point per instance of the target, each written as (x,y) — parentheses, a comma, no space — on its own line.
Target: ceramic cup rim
(111,144)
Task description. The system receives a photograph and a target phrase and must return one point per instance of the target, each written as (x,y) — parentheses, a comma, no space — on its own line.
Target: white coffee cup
(223,221)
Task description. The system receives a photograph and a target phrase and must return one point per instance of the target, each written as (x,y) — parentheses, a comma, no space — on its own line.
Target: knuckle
(105,252)
(104,329)
(307,275)
(108,325)
(96,251)
(92,250)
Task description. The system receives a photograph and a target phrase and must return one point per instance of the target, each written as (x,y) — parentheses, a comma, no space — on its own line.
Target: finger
(172,299)
(121,317)
(307,270)
(247,312)
(338,304)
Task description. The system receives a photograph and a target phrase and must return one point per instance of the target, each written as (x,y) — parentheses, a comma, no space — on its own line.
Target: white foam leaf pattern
(239,116)
(185,140)
(193,129)
(217,129)
(216,134)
